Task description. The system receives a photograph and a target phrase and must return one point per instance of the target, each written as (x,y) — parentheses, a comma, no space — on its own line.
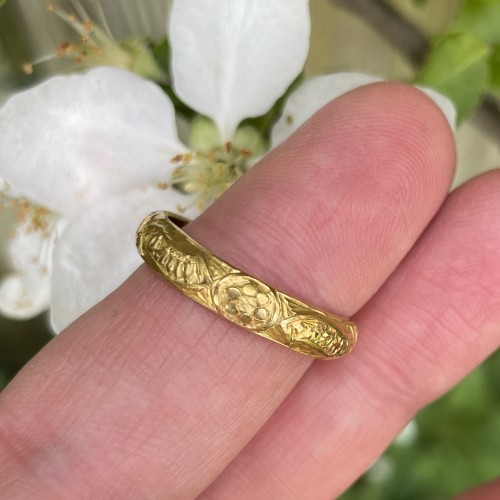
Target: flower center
(96,46)
(208,174)
(35,217)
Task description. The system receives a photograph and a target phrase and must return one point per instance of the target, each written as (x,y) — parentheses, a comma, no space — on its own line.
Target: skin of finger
(150,394)
(488,491)
(435,319)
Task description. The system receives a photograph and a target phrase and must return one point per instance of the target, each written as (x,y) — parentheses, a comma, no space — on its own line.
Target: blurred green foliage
(3,379)
(481,18)
(458,67)
(457,445)
(495,71)
(19,342)
(464,63)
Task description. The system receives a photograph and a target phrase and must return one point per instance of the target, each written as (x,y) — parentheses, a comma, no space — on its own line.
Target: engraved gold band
(238,297)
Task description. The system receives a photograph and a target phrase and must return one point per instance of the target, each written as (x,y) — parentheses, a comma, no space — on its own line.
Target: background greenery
(456,445)
(451,45)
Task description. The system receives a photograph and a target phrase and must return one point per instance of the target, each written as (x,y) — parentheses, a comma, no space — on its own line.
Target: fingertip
(472,208)
(483,190)
(445,105)
(413,120)
(389,129)
(451,281)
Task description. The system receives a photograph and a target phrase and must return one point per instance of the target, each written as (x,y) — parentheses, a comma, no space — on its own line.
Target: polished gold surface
(238,297)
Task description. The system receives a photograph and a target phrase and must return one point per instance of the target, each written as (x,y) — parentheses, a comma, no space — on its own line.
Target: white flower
(95,149)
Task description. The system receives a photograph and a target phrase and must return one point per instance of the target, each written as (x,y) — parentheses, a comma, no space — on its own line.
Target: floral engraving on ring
(246,302)
(312,335)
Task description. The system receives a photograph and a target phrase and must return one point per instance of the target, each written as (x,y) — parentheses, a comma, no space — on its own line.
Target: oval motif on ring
(246,301)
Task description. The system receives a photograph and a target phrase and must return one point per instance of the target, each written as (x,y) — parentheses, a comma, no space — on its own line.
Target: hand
(150,395)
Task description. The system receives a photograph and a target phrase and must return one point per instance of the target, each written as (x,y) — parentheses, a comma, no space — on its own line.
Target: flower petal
(97,252)
(315,93)
(134,19)
(234,59)
(311,96)
(74,140)
(447,107)
(26,292)
(24,296)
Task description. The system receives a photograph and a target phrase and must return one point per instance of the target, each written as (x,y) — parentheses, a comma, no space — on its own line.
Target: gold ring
(237,296)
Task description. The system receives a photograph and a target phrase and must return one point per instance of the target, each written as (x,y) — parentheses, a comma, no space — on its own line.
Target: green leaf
(458,67)
(2,2)
(480,17)
(495,70)
(161,52)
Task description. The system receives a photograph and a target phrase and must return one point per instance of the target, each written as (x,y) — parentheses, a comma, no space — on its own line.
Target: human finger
(149,384)
(432,322)
(488,491)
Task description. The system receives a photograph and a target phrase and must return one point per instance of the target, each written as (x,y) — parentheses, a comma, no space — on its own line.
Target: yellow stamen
(65,49)
(36,218)
(88,26)
(27,68)
(208,174)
